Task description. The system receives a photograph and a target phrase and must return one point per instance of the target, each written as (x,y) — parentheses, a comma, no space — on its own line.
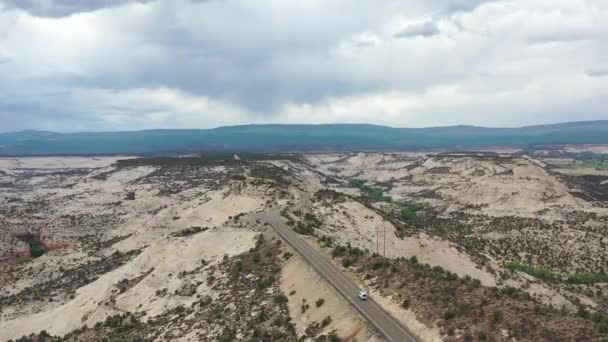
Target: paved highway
(382,321)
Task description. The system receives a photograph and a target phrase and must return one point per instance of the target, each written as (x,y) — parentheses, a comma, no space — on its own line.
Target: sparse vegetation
(189,231)
(373,194)
(408,211)
(249,301)
(549,276)
(435,293)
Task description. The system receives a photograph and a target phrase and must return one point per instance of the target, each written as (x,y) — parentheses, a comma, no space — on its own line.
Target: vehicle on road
(362,295)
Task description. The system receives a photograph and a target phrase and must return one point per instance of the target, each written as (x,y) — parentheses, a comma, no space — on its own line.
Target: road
(382,321)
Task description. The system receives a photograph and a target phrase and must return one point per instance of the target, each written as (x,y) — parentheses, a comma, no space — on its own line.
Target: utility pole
(377,241)
(384,235)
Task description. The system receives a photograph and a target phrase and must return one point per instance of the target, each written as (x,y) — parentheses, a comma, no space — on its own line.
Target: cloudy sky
(68,65)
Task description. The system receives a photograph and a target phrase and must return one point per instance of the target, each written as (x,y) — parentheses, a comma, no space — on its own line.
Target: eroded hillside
(462,247)
(505,221)
(161,249)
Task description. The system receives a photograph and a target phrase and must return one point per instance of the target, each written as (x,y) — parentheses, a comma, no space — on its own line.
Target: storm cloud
(117,65)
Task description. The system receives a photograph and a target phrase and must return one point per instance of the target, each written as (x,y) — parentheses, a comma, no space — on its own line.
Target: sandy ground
(405,316)
(150,219)
(503,186)
(58,162)
(582,171)
(300,277)
(166,257)
(408,318)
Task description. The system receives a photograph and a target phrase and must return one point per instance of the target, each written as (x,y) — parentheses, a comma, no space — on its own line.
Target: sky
(107,65)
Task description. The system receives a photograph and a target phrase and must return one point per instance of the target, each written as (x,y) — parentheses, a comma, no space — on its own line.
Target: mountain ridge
(298,138)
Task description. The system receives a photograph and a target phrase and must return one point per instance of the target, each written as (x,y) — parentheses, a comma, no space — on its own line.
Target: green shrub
(496,316)
(539,273)
(333,337)
(371,193)
(320,302)
(587,278)
(304,229)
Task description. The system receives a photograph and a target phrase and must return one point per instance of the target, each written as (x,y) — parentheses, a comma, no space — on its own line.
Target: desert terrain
(488,246)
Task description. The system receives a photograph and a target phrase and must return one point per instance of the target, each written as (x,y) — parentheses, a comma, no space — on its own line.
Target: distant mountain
(285,138)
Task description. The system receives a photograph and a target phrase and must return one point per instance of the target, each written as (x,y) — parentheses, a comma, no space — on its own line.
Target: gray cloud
(453,6)
(557,37)
(597,72)
(181,63)
(58,8)
(424,29)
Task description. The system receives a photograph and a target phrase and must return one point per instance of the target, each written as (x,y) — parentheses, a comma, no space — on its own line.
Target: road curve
(382,321)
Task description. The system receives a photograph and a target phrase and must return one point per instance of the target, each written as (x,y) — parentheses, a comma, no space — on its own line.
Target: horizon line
(305,124)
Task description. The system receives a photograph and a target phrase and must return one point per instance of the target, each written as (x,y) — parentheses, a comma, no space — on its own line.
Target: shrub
(320,302)
(280,298)
(603,327)
(326,321)
(304,229)
(378,264)
(338,251)
(448,315)
(333,337)
(256,258)
(408,215)
(496,316)
(583,313)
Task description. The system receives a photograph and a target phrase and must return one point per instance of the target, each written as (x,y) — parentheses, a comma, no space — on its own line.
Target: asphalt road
(382,321)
